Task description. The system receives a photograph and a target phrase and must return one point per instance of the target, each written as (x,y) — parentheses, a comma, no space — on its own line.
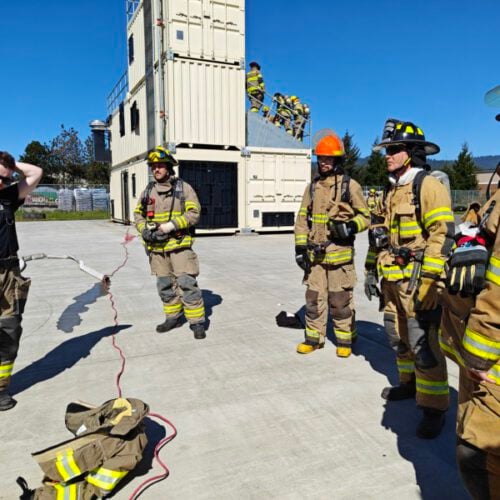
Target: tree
(375,171)
(463,172)
(97,173)
(39,154)
(352,155)
(69,155)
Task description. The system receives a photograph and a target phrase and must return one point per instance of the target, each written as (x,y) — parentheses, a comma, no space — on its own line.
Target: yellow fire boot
(307,347)
(343,351)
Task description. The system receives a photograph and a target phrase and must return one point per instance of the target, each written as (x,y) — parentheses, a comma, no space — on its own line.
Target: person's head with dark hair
(7,168)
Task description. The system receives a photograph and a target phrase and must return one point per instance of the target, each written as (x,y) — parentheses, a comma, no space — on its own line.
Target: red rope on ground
(149,482)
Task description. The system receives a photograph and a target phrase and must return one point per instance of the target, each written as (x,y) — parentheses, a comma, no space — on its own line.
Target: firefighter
(165,216)
(470,336)
(333,210)
(372,199)
(283,113)
(409,245)
(14,287)
(299,118)
(255,87)
(472,213)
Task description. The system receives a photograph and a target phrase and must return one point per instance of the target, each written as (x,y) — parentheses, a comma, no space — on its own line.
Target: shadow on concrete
(63,357)
(436,473)
(71,316)
(210,300)
(155,433)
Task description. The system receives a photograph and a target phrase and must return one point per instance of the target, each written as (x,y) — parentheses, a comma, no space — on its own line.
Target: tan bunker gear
(470,336)
(109,443)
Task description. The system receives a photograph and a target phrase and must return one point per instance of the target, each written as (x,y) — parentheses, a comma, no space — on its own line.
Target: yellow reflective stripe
(405,366)
(439,388)
(172,244)
(452,353)
(493,271)
(360,223)
(433,264)
(481,346)
(181,222)
(394,273)
(494,373)
(409,228)
(320,218)
(312,333)
(343,256)
(441,213)
(66,491)
(6,370)
(141,226)
(343,335)
(199,312)
(371,257)
(105,479)
(300,239)
(172,309)
(191,205)
(303,211)
(66,465)
(364,211)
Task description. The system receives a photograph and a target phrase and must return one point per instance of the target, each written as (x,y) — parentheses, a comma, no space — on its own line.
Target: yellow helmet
(372,191)
(159,154)
(294,98)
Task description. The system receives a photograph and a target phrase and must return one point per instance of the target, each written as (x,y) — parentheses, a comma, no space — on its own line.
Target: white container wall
(206,103)
(137,67)
(209,29)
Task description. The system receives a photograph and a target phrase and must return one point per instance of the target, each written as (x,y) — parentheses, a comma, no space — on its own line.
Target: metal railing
(301,131)
(117,95)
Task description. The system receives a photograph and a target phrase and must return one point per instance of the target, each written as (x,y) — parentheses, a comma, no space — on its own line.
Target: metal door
(125,198)
(216,184)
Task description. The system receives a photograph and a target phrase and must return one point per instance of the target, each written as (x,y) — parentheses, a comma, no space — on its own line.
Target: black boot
(169,324)
(28,494)
(431,424)
(6,401)
(400,392)
(198,330)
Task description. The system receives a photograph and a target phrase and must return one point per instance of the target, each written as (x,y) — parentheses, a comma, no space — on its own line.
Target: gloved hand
(302,258)
(167,227)
(371,281)
(148,235)
(341,230)
(426,294)
(467,270)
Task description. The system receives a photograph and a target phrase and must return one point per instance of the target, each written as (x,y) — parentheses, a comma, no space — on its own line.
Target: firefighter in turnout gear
(14,287)
(167,212)
(409,245)
(470,336)
(255,87)
(299,120)
(372,199)
(109,442)
(283,113)
(333,210)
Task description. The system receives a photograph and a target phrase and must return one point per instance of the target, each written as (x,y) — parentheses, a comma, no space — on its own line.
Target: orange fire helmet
(327,143)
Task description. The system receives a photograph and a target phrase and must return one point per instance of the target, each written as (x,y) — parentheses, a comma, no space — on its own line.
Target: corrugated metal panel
(275,183)
(210,29)
(206,103)
(137,69)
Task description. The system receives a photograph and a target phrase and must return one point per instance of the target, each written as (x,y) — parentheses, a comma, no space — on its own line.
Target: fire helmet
(254,64)
(327,143)
(159,154)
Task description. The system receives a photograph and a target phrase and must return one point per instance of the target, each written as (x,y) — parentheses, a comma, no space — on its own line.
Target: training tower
(185,88)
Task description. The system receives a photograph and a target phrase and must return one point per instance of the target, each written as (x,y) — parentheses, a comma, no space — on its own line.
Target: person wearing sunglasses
(410,258)
(14,287)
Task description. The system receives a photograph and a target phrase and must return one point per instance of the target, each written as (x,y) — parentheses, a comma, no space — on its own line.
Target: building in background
(185,88)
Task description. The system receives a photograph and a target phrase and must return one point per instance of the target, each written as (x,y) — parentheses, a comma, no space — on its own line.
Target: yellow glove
(427,294)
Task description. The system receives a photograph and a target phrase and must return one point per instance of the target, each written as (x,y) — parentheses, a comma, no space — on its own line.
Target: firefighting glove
(302,258)
(426,294)
(167,227)
(467,270)
(341,230)
(371,281)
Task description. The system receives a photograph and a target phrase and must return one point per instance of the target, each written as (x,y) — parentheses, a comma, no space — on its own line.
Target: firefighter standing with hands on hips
(409,246)
(165,216)
(14,287)
(333,210)
(470,336)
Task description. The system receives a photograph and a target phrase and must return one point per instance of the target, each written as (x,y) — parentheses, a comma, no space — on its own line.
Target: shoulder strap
(179,193)
(345,192)
(416,190)
(146,197)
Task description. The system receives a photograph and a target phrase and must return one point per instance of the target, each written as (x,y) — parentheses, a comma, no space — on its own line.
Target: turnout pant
(13,295)
(256,100)
(178,289)
(332,286)
(402,326)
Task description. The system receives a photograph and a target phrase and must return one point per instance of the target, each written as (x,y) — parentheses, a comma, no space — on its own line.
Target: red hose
(148,482)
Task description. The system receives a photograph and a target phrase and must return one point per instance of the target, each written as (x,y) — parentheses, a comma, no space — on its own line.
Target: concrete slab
(255,419)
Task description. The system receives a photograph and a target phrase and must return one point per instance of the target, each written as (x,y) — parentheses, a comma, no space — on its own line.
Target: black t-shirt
(9,203)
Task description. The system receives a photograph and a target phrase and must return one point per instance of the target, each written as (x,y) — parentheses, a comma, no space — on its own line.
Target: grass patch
(25,215)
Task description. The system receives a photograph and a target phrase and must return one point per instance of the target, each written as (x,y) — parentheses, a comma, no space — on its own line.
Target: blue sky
(356,63)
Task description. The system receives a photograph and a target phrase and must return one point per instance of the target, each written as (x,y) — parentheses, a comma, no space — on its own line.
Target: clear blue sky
(355,63)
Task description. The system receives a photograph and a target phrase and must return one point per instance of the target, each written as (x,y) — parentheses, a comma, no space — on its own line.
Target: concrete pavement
(255,419)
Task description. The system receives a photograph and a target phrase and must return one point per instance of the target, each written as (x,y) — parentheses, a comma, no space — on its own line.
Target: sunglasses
(394,150)
(158,165)
(6,180)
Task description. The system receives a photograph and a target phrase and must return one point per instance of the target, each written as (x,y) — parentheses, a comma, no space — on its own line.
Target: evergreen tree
(375,171)
(352,155)
(463,173)
(69,155)
(39,154)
